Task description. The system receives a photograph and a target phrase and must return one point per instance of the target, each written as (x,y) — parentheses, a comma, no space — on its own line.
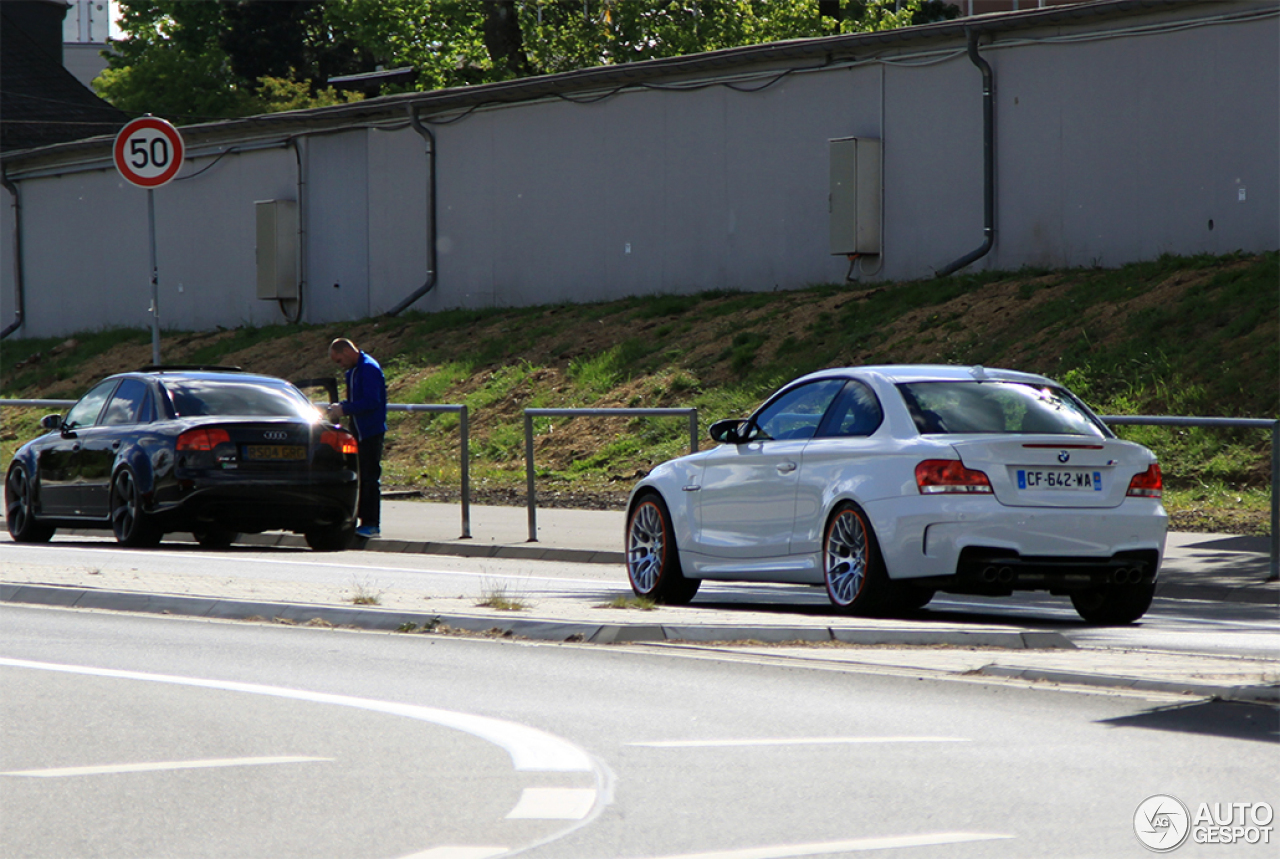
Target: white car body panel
(738,516)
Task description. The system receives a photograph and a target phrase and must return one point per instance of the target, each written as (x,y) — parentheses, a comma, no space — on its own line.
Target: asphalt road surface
(147,736)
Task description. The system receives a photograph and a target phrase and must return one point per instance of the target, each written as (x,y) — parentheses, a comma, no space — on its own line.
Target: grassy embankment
(1177,336)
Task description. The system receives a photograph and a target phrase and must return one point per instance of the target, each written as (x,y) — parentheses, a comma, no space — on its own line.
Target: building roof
(41,103)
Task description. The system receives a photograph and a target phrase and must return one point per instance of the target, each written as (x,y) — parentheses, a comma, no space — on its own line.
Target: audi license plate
(1061,478)
(274,452)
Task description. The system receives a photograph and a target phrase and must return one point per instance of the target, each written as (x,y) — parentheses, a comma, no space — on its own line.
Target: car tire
(653,559)
(852,568)
(215,537)
(1114,604)
(129,523)
(330,539)
(20,508)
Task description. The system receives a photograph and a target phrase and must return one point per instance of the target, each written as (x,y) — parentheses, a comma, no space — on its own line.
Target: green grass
(1193,335)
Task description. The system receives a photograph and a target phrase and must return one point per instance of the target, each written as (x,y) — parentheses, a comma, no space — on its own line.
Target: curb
(543,630)
(1247,694)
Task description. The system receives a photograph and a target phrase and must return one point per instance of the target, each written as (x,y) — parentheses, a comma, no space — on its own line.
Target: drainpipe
(19,278)
(988,162)
(429,284)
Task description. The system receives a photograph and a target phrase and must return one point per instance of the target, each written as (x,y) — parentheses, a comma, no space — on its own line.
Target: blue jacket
(366,398)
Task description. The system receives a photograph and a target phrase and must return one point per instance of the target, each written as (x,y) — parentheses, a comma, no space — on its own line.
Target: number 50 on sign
(148,152)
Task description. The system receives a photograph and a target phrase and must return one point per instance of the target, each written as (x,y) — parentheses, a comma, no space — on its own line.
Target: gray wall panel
(8,277)
(337,205)
(398,219)
(932,166)
(205,239)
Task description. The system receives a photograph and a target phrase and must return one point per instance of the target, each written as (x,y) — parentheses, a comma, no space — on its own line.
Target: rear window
(198,397)
(996,407)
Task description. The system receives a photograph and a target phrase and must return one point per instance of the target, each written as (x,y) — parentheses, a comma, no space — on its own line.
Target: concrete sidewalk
(1198,566)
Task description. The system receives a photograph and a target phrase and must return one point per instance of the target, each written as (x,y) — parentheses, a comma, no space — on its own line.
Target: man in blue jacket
(366,403)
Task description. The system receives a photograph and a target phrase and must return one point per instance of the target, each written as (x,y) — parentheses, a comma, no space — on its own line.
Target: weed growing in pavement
(639,603)
(499,594)
(365,592)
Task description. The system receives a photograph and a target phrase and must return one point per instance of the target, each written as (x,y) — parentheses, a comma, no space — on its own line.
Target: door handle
(786,467)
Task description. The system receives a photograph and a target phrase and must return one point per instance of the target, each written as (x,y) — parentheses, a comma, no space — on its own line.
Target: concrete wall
(1110,150)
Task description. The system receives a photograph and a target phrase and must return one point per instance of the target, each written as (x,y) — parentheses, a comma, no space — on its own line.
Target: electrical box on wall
(855,195)
(277,249)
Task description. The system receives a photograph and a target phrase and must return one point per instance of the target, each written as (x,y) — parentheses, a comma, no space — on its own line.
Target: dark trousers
(369,507)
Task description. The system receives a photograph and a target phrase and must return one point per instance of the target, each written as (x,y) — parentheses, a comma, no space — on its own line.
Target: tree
(202,60)
(194,61)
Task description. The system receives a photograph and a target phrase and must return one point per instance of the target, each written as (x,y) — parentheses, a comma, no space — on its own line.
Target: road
(302,742)
(127,735)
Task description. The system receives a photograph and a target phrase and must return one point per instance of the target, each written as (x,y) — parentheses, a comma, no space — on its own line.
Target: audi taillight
(947,476)
(340,440)
(202,439)
(1148,484)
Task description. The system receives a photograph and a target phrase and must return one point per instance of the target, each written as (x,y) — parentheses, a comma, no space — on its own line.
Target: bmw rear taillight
(202,439)
(1148,484)
(340,440)
(949,476)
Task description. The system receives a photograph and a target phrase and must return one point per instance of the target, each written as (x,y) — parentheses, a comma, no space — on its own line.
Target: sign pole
(155,278)
(148,153)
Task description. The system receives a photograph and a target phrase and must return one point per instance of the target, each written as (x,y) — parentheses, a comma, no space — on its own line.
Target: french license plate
(1066,479)
(274,452)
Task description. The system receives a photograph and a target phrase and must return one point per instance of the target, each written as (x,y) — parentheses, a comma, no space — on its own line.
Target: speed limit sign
(148,152)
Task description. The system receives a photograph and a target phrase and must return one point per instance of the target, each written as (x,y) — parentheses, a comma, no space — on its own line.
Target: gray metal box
(277,249)
(855,195)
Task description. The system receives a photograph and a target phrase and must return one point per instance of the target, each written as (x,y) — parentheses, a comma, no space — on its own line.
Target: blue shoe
(368,532)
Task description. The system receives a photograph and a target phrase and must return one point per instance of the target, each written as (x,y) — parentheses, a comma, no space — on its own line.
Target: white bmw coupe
(887,484)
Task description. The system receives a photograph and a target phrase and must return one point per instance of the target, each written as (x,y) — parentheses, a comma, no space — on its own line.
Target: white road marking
(160,766)
(530,749)
(553,803)
(458,853)
(797,741)
(785,851)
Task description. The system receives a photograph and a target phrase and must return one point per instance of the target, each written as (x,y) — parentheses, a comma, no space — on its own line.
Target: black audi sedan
(207,451)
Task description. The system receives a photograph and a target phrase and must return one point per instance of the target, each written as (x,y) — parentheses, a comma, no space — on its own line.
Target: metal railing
(464,441)
(1228,423)
(530,414)
(464,433)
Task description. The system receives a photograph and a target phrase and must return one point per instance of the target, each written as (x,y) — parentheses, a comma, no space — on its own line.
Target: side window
(125,405)
(857,412)
(797,413)
(85,412)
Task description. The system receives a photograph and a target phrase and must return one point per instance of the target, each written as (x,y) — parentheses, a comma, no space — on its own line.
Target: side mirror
(727,431)
(51,422)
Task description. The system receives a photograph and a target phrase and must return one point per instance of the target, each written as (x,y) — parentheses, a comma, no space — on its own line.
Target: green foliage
(192,61)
